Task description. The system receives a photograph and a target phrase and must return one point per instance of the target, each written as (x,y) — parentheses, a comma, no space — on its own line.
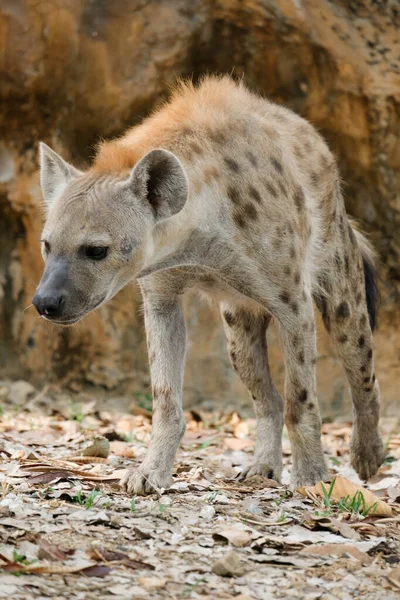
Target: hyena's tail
(370,276)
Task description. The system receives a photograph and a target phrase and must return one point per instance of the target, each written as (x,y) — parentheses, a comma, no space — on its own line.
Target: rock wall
(72,71)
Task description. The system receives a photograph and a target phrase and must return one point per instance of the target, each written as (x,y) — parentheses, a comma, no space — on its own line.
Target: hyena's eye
(95,252)
(46,246)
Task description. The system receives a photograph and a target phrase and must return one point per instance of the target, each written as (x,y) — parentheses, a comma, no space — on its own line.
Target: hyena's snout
(50,305)
(51,298)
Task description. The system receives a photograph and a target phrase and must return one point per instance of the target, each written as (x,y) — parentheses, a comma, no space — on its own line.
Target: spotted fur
(239,198)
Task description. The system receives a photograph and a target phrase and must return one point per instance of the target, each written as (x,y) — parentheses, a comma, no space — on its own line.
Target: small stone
(207,513)
(228,566)
(20,391)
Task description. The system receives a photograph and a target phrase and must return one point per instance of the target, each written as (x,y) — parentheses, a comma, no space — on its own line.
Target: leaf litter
(68,530)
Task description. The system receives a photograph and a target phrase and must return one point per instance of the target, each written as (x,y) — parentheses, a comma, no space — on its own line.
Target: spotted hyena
(223,192)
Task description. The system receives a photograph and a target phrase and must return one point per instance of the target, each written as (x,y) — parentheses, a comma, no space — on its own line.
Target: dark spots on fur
(352,236)
(295,308)
(229,318)
(361,341)
(295,340)
(314,178)
(233,358)
(297,278)
(284,297)
(255,194)
(233,194)
(195,147)
(277,165)
(252,158)
(293,252)
(343,310)
(251,211)
(303,396)
(299,199)
(271,189)
(358,298)
(363,320)
(210,173)
(366,380)
(369,355)
(368,388)
(346,264)
(232,164)
(277,243)
(301,358)
(254,398)
(218,136)
(373,378)
(342,339)
(287,270)
(126,245)
(239,220)
(310,406)
(162,392)
(270,474)
(363,369)
(282,187)
(187,131)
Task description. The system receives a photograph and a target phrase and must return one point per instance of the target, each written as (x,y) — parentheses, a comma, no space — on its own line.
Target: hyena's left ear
(55,173)
(160,180)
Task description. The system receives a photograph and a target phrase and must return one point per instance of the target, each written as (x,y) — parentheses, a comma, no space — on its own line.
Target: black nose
(49,305)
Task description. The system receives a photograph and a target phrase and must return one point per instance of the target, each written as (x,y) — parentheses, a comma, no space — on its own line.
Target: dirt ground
(68,531)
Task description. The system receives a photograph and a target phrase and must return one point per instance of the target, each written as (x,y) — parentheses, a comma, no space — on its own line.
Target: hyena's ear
(160,180)
(55,173)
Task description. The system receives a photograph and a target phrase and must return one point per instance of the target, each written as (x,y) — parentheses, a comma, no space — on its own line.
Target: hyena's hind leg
(247,347)
(348,310)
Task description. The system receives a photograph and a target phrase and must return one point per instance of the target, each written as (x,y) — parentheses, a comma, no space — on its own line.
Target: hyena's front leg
(166,340)
(247,347)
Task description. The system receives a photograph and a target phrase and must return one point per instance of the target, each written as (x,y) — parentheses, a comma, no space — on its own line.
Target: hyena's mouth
(71,320)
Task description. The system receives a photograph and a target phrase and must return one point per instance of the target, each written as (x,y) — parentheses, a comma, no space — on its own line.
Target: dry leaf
(122,449)
(49,551)
(394,577)
(344,488)
(234,535)
(338,550)
(100,448)
(238,443)
(152,583)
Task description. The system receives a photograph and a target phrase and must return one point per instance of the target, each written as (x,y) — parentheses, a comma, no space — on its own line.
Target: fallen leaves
(343,489)
(68,530)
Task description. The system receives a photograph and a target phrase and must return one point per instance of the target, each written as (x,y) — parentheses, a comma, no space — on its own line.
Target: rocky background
(72,71)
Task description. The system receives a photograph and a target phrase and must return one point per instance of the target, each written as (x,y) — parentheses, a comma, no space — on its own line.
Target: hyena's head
(98,229)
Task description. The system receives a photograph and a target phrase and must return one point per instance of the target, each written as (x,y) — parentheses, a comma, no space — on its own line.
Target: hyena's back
(257,171)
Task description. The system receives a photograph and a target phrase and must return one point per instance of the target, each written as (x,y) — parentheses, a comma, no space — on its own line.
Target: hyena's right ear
(55,173)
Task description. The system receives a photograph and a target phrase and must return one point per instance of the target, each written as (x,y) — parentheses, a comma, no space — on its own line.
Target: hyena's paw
(264,469)
(367,454)
(308,474)
(140,482)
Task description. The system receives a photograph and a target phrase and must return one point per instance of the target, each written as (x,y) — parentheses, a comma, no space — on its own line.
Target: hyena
(223,192)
